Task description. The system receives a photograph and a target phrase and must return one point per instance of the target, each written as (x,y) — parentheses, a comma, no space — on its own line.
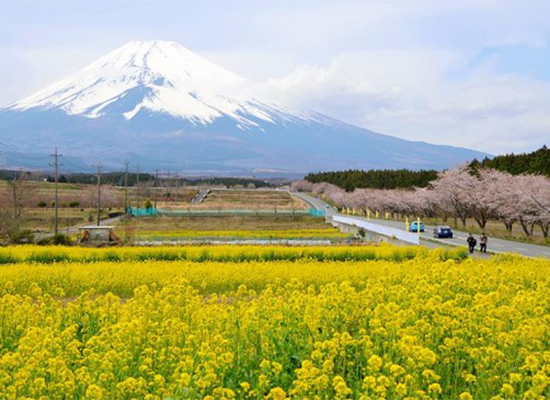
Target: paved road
(495,245)
(199,197)
(315,203)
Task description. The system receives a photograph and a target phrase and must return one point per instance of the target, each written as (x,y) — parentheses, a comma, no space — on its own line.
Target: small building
(98,234)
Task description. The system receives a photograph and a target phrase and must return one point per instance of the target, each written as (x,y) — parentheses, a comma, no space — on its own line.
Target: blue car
(414,227)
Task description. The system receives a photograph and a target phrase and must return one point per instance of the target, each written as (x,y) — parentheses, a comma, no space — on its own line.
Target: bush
(74,204)
(24,236)
(42,204)
(58,240)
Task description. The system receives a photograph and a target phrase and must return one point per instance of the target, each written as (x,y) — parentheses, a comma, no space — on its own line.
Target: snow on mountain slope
(170,78)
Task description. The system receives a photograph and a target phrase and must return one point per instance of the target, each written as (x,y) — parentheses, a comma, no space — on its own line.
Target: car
(443,231)
(415,228)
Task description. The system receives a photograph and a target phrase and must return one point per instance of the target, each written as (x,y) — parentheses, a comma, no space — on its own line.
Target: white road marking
(520,248)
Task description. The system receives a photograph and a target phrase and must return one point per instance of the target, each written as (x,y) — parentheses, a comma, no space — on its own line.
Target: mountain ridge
(166,106)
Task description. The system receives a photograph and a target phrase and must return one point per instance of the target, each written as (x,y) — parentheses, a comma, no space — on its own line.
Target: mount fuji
(163,106)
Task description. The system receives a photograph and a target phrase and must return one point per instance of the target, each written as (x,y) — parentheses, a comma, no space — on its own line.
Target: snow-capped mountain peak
(153,76)
(163,106)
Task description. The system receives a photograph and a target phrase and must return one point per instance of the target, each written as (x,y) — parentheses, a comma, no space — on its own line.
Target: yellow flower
(94,392)
(375,363)
(507,390)
(465,396)
(277,393)
(434,388)
(401,389)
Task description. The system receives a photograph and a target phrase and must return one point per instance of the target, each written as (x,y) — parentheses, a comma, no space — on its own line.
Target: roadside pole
(156,187)
(56,156)
(126,163)
(137,190)
(99,194)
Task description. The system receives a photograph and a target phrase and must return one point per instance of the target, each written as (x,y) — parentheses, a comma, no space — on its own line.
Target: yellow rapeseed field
(210,323)
(332,233)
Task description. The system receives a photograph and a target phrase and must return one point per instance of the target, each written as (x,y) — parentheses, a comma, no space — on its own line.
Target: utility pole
(126,163)
(156,186)
(176,188)
(169,187)
(56,156)
(98,194)
(137,188)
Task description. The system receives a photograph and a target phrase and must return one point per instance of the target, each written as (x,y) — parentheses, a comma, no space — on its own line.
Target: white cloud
(409,94)
(410,68)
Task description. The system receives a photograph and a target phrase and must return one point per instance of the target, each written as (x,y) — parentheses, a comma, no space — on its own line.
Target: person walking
(471,243)
(483,243)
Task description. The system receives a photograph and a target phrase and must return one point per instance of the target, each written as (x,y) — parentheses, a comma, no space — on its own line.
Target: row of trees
(536,162)
(374,179)
(460,193)
(118,179)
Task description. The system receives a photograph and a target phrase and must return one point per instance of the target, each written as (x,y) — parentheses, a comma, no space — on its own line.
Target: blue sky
(467,73)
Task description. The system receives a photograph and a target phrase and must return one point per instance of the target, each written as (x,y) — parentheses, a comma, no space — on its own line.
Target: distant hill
(375,179)
(536,162)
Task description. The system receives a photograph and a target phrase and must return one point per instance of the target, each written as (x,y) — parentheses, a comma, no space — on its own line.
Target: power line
(22,155)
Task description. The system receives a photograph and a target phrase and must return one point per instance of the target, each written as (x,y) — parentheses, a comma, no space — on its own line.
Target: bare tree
(11,215)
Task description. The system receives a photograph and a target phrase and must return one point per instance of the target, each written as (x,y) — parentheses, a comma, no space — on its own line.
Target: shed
(97,234)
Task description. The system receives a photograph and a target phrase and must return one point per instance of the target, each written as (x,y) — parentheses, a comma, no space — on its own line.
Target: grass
(221,223)
(228,227)
(251,199)
(42,220)
(326,233)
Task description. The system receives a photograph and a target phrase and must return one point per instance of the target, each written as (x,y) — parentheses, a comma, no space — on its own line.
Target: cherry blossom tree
(484,195)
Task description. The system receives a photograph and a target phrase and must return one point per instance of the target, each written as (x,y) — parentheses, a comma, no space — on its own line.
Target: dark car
(443,232)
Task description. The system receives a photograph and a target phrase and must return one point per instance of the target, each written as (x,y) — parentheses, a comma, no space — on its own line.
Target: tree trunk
(545,227)
(524,227)
(509,226)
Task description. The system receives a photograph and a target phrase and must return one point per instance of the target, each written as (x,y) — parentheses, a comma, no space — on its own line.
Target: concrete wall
(374,232)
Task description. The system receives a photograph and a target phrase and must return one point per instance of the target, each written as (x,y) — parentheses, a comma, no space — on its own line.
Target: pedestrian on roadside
(483,243)
(471,243)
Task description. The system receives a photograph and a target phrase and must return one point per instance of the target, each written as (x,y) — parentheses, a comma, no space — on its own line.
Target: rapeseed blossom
(272,323)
